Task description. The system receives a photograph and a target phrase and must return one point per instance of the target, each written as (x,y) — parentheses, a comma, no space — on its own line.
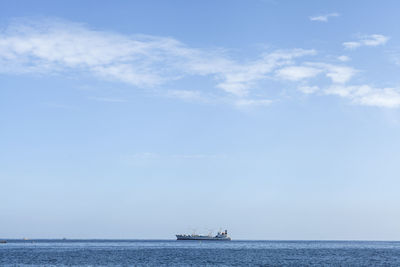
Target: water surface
(204,253)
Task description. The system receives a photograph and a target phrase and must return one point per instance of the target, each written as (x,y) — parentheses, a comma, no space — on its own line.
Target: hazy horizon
(275,120)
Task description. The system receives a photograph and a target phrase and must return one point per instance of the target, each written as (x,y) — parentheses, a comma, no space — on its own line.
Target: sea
(198,253)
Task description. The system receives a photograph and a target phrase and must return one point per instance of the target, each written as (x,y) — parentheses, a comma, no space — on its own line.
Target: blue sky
(142,119)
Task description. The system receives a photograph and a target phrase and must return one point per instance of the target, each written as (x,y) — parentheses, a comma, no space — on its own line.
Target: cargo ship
(221,236)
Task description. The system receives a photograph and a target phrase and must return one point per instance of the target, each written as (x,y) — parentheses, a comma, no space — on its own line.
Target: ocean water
(196,253)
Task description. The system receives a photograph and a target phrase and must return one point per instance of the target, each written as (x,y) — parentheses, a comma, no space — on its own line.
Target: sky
(144,119)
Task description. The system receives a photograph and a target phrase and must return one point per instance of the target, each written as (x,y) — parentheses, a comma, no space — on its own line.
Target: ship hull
(202,238)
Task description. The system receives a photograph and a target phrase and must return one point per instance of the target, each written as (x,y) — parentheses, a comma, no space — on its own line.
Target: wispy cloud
(253,102)
(296,73)
(324,18)
(394,55)
(185,94)
(59,47)
(367,95)
(337,73)
(145,61)
(343,58)
(367,40)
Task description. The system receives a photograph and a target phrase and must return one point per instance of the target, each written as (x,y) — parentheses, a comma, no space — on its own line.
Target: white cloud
(58,47)
(337,73)
(143,61)
(296,73)
(375,40)
(238,78)
(253,102)
(324,18)
(343,58)
(386,97)
(351,45)
(55,46)
(367,95)
(367,40)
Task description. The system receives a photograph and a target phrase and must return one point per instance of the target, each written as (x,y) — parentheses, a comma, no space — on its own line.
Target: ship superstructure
(221,236)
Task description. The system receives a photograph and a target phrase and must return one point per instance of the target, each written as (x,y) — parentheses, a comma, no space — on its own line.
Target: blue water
(194,253)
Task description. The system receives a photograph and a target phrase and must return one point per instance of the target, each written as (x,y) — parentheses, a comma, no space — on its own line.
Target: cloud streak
(140,60)
(336,73)
(253,102)
(324,18)
(54,47)
(367,40)
(296,73)
(368,95)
